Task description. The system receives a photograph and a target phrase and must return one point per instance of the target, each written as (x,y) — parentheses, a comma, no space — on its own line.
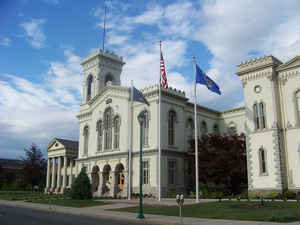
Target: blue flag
(139,97)
(202,78)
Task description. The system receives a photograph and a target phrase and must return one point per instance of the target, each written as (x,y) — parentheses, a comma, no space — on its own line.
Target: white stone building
(270,121)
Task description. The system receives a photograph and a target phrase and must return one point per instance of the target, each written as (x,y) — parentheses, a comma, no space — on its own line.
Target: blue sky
(42,43)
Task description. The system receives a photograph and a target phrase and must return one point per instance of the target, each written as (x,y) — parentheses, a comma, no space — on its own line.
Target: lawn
(70,202)
(61,200)
(272,211)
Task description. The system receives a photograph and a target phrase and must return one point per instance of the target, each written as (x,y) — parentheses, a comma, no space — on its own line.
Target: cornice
(236,110)
(257,64)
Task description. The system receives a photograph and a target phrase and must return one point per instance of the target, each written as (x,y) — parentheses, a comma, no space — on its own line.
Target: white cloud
(35,33)
(37,112)
(5,42)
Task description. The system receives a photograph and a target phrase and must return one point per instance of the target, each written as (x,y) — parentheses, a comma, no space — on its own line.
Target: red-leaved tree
(222,160)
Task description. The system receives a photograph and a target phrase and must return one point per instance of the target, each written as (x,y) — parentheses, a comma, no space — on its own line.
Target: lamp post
(141,118)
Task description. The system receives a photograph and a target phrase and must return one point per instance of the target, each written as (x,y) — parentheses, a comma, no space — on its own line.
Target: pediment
(295,62)
(54,145)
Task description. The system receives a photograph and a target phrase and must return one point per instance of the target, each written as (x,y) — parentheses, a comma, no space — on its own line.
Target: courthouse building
(270,120)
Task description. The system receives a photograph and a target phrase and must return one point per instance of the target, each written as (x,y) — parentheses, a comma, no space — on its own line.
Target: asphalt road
(25,216)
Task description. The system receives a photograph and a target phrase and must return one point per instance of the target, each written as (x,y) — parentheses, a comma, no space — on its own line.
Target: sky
(42,43)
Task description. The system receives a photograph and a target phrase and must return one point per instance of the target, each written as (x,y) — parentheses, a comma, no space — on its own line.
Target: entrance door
(121,181)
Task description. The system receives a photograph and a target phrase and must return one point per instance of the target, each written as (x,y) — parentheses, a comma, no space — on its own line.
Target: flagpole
(159,127)
(196,132)
(130,141)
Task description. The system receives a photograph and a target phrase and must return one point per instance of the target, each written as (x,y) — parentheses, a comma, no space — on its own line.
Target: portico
(61,162)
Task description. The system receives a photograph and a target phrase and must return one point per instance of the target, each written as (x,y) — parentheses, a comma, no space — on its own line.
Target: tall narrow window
(262,115)
(99,135)
(145,172)
(203,128)
(216,129)
(298,103)
(107,128)
(171,127)
(146,129)
(86,140)
(256,116)
(117,132)
(171,171)
(262,159)
(232,130)
(89,87)
(190,131)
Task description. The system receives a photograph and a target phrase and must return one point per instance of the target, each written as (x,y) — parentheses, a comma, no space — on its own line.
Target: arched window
(232,130)
(146,129)
(107,128)
(117,132)
(89,87)
(99,135)
(262,115)
(298,102)
(108,78)
(86,140)
(216,129)
(256,116)
(171,127)
(203,128)
(262,160)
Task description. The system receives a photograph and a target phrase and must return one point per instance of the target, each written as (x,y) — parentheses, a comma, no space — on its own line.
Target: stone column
(59,174)
(65,172)
(100,183)
(48,175)
(53,173)
(71,172)
(124,191)
(113,183)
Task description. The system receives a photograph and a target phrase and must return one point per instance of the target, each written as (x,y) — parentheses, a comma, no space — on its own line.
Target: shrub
(81,188)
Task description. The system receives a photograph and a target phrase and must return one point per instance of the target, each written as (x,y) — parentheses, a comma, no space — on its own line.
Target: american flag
(163,75)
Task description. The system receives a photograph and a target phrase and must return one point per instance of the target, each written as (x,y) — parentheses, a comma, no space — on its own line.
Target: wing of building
(270,121)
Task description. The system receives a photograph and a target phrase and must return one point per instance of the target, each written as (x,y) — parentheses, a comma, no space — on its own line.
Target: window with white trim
(107,128)
(86,140)
(256,116)
(146,129)
(117,132)
(171,171)
(171,127)
(262,160)
(99,135)
(203,128)
(146,172)
(298,103)
(89,87)
(262,115)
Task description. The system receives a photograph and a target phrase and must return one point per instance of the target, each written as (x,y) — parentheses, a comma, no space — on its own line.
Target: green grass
(70,202)
(272,211)
(61,200)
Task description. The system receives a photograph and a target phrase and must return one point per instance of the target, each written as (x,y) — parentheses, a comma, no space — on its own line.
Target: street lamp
(141,119)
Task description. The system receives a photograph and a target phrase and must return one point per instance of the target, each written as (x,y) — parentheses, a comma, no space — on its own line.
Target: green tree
(81,187)
(222,160)
(34,166)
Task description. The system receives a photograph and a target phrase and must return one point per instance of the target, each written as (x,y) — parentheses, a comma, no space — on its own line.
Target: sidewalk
(100,212)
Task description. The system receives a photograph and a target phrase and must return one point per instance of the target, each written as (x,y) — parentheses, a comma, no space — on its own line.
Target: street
(16,215)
